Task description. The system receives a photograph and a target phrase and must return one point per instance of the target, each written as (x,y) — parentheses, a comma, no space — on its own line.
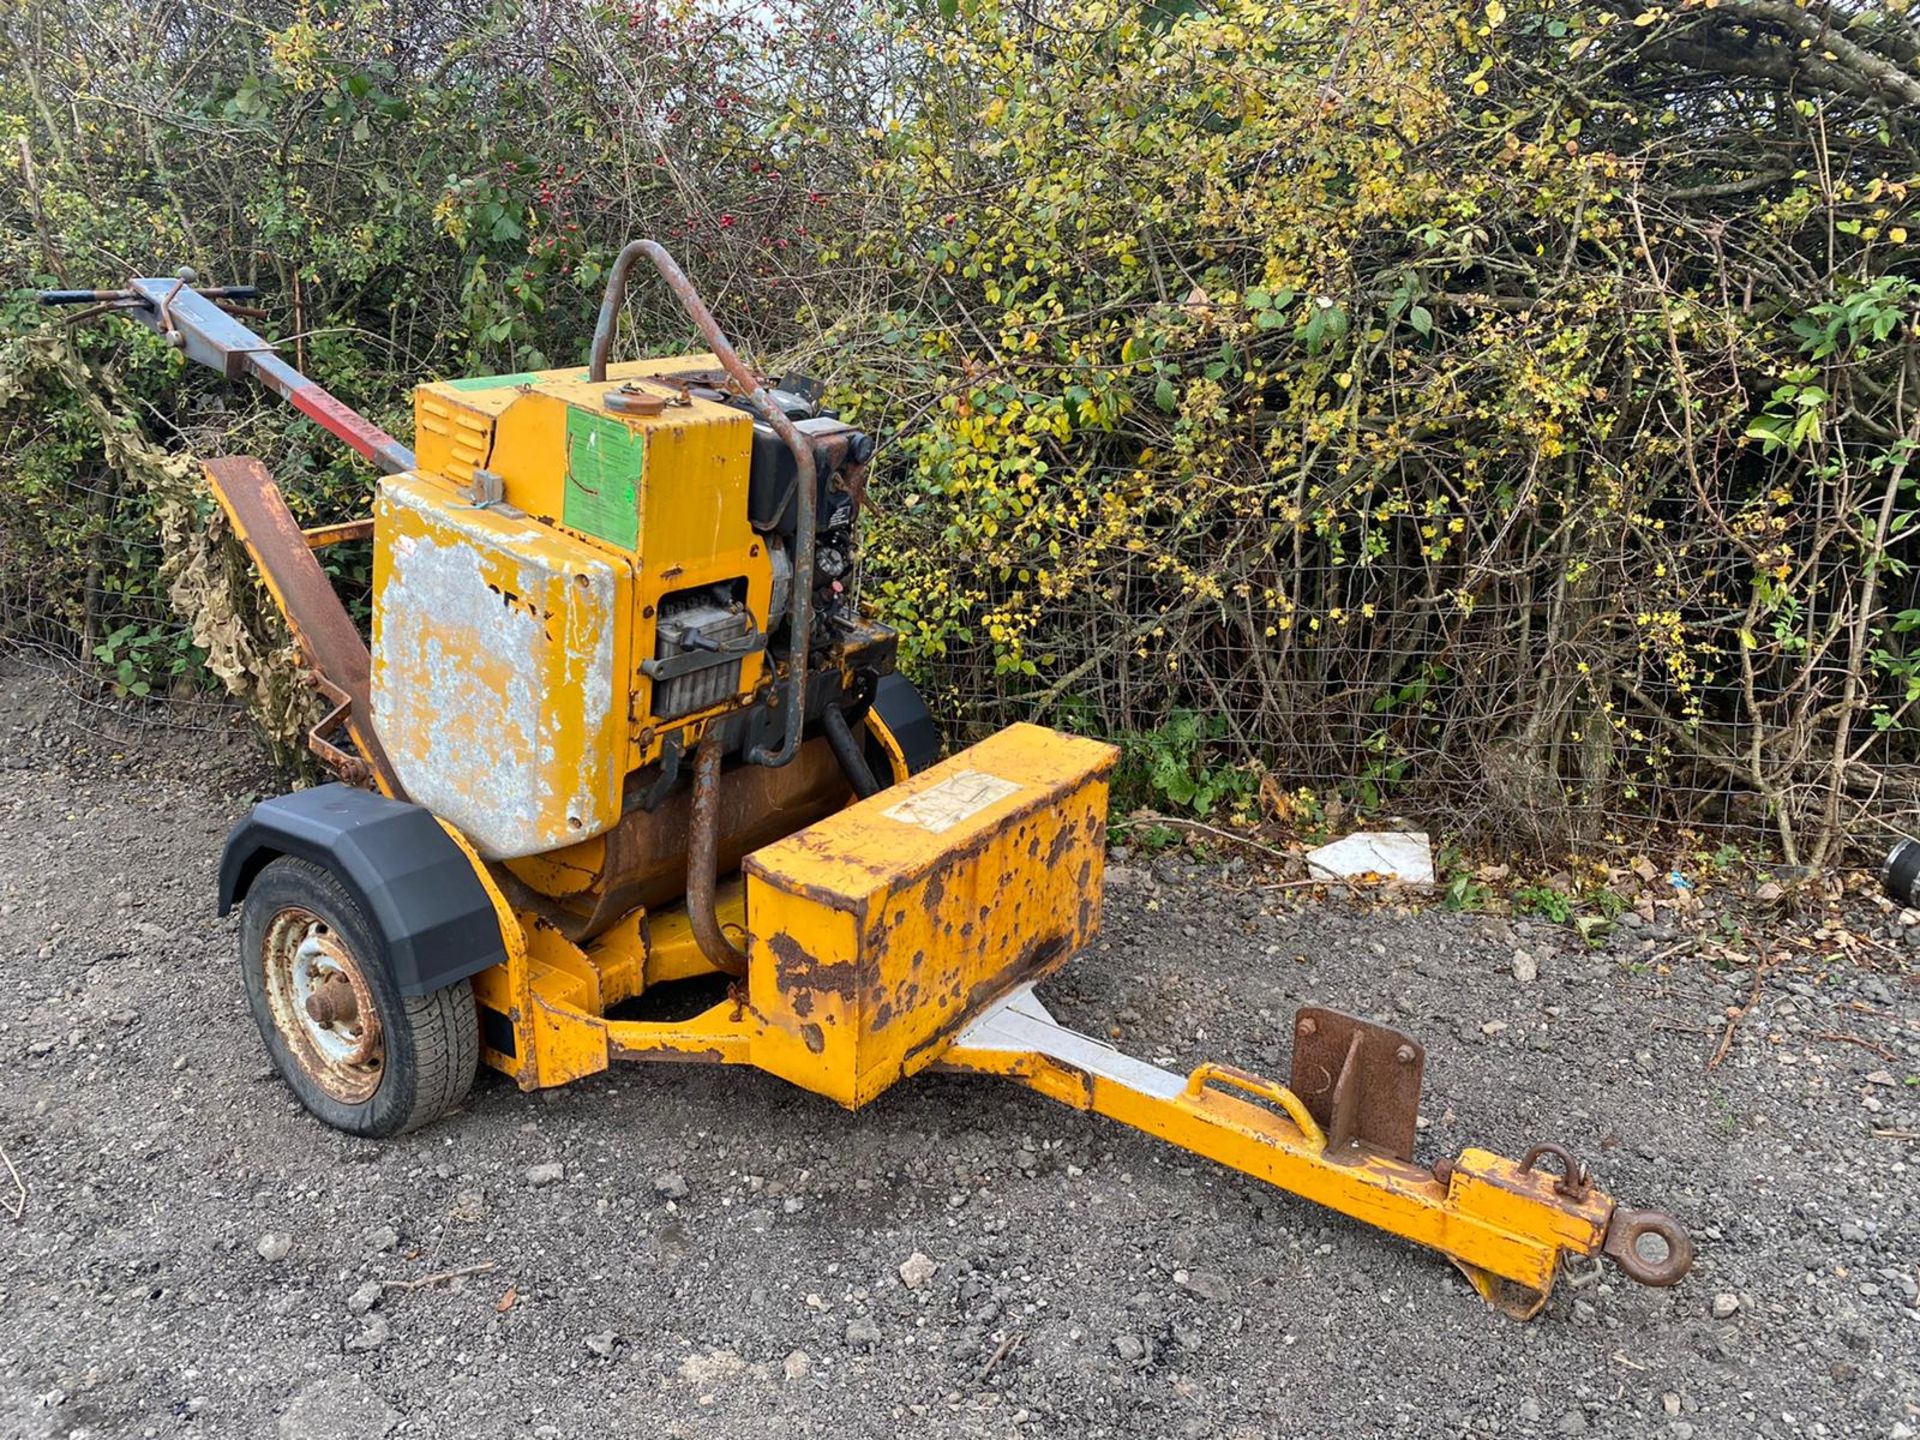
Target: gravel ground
(686,1252)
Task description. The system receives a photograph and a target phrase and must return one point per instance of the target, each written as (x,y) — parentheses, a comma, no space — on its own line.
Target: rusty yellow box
(877,933)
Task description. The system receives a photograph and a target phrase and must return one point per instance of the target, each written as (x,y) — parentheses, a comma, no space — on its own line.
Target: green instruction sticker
(604,460)
(493,382)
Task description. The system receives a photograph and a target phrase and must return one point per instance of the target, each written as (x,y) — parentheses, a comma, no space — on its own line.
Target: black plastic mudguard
(906,716)
(411,881)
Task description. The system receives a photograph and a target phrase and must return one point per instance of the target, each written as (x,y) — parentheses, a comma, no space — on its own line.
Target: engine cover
(500,668)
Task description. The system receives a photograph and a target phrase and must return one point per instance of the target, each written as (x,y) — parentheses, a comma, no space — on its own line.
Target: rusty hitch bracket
(1341,1136)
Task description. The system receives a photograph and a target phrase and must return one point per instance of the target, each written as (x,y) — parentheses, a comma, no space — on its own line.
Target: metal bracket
(727,652)
(485,489)
(1360,1081)
(672,747)
(348,767)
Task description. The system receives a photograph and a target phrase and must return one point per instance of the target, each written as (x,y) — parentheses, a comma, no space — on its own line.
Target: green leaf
(1163,395)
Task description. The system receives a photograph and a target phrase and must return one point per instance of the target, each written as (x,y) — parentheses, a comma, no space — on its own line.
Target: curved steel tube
(703,844)
(846,749)
(800,605)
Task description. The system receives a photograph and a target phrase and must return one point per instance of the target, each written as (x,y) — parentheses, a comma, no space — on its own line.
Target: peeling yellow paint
(500,648)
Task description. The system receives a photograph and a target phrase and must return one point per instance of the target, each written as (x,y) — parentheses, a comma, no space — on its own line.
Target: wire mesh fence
(1537,677)
(1556,680)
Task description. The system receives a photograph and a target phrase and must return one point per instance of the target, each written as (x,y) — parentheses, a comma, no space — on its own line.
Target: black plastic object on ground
(1901,872)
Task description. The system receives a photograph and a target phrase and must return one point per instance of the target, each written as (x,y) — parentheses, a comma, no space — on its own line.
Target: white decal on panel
(951,801)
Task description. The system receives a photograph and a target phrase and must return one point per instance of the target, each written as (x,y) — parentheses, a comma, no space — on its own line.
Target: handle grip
(95,297)
(1213,1073)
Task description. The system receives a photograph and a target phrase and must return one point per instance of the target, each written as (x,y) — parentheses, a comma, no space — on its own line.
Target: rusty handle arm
(200,324)
(329,641)
(800,607)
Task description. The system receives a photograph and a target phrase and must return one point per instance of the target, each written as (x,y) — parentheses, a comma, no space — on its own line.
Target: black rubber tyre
(302,935)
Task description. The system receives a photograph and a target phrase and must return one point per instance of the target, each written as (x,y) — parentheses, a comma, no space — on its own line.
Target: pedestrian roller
(623,774)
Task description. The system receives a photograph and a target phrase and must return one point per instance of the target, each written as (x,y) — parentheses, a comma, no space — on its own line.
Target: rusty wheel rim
(322,1006)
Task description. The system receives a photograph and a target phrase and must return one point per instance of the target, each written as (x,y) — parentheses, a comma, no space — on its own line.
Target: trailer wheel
(359,1054)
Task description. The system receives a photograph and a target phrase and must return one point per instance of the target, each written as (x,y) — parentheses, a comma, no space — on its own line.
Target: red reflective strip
(342,419)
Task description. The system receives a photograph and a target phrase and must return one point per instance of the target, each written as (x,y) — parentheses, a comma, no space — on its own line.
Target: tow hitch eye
(1627,1232)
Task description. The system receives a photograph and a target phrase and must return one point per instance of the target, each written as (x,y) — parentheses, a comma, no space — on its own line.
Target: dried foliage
(1501,413)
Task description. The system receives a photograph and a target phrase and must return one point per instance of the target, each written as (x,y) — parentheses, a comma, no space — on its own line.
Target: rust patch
(1062,842)
(1038,957)
(815,1037)
(795,971)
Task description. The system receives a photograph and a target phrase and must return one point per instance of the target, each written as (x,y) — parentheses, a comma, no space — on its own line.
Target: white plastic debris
(1403,855)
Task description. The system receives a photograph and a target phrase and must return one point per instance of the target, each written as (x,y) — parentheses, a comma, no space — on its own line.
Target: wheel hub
(322,1005)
